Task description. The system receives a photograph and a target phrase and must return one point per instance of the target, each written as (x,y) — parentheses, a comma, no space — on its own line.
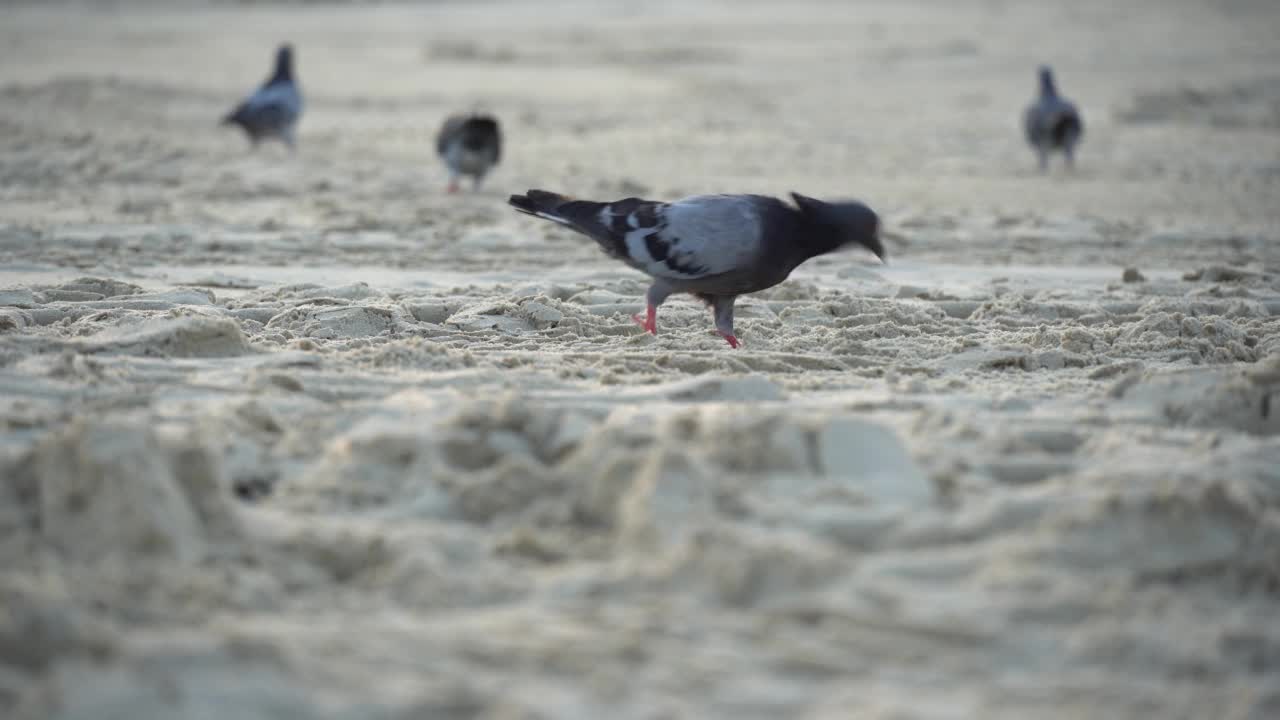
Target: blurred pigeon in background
(1052,122)
(272,111)
(715,247)
(470,145)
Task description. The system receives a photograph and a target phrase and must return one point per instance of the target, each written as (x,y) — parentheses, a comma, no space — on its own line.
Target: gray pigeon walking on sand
(272,111)
(470,145)
(715,247)
(1052,122)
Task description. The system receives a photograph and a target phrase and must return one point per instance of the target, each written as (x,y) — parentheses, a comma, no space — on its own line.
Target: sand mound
(502,317)
(709,387)
(1243,399)
(92,288)
(247,679)
(1212,339)
(14,319)
(630,479)
(121,490)
(193,336)
(41,629)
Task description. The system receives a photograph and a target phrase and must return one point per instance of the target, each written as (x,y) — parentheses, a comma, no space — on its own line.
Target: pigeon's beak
(877,237)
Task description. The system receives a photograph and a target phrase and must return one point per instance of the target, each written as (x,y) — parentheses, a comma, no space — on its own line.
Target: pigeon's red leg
(650,320)
(653,297)
(453,186)
(722,308)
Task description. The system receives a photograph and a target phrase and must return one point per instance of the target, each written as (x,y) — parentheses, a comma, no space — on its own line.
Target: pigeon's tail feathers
(471,132)
(480,130)
(1066,129)
(582,216)
(541,203)
(235,117)
(555,207)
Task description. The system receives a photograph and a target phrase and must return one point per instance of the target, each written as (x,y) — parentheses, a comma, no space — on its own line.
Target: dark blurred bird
(272,111)
(1052,122)
(715,247)
(470,145)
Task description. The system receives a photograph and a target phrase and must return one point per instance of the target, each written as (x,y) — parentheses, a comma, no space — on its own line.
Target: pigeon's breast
(469,160)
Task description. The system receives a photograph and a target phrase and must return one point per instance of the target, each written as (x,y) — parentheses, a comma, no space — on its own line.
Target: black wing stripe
(657,249)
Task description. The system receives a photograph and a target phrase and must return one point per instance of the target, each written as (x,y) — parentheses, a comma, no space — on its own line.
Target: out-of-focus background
(913,105)
(303,435)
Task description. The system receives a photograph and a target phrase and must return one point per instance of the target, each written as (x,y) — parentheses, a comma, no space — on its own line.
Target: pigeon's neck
(817,238)
(283,73)
(1047,88)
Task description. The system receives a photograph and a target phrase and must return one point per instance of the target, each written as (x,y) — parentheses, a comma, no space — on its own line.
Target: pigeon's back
(481,133)
(471,132)
(270,111)
(744,241)
(1052,122)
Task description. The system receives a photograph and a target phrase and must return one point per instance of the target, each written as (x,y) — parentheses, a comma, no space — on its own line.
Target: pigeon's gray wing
(691,239)
(1037,121)
(448,132)
(272,108)
(1067,127)
(1052,122)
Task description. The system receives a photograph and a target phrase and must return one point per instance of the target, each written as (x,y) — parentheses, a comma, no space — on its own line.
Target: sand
(302,436)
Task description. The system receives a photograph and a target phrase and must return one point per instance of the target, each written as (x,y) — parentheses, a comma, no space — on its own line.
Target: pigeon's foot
(649,321)
(729,338)
(453,187)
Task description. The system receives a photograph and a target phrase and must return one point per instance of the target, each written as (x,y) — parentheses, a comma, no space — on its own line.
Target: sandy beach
(303,436)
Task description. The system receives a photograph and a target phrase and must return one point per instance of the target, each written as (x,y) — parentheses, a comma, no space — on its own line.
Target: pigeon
(470,145)
(1052,122)
(272,111)
(715,247)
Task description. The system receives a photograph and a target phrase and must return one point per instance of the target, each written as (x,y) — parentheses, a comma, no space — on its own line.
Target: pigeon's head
(1046,80)
(284,63)
(840,224)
